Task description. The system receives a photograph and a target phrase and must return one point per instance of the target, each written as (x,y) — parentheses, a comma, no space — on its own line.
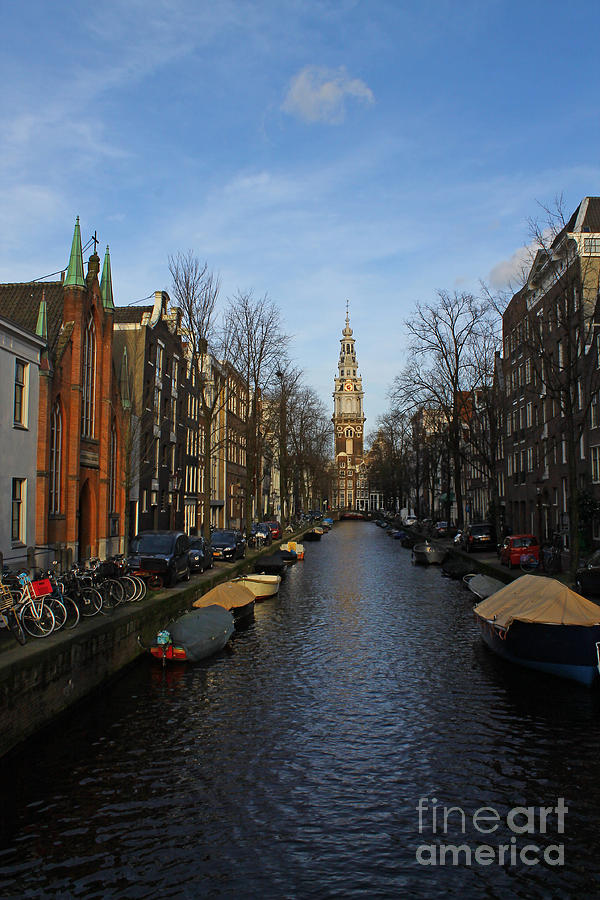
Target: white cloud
(317,94)
(511,272)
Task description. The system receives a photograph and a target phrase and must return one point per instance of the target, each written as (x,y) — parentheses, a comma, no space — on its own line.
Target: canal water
(358,726)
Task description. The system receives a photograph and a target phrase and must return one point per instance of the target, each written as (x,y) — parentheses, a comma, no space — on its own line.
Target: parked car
(478,536)
(275,530)
(440,529)
(163,553)
(200,554)
(410,520)
(228,545)
(260,534)
(516,546)
(587,576)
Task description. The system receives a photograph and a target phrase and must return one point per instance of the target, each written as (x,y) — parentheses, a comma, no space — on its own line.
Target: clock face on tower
(348,386)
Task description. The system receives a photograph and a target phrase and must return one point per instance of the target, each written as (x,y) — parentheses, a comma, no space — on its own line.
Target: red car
(275,530)
(516,546)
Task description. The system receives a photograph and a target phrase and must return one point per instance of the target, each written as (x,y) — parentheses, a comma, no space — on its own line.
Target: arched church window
(88,404)
(349,432)
(112,471)
(55,458)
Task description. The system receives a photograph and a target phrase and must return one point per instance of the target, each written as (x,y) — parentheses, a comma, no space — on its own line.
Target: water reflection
(294,765)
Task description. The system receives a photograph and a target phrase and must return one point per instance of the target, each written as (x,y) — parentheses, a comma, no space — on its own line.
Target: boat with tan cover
(540,623)
(231,595)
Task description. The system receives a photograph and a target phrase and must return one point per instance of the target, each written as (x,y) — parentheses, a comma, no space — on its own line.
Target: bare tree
(389,457)
(309,436)
(195,290)
(258,344)
(441,340)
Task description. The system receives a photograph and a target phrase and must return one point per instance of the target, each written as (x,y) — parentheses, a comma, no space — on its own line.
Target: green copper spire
(42,321)
(106,290)
(75,271)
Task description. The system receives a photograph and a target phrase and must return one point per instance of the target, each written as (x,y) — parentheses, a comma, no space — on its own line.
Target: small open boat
(540,623)
(231,595)
(194,636)
(262,586)
(482,585)
(428,554)
(315,534)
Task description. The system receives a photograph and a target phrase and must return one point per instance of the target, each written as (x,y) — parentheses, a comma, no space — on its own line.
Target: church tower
(348,423)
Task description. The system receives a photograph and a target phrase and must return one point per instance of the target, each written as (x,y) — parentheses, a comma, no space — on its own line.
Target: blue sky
(315,151)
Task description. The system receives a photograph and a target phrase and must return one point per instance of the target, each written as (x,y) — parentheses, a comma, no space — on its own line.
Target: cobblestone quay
(359,741)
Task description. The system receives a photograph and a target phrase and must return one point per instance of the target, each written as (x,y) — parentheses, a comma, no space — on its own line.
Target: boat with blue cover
(194,636)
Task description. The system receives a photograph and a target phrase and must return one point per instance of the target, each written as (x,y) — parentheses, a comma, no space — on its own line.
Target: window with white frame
(595,459)
(20,396)
(18,510)
(112,471)
(88,401)
(595,411)
(55,458)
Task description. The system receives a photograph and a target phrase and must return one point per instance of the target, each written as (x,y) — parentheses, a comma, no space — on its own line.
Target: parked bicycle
(9,614)
(552,556)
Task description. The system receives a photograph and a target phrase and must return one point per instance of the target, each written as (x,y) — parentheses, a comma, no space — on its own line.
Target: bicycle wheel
(90,602)
(112,593)
(155,582)
(129,587)
(140,587)
(60,612)
(37,618)
(528,563)
(15,627)
(72,611)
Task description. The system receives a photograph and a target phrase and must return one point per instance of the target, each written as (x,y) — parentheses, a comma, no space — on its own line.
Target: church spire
(74,277)
(41,328)
(106,288)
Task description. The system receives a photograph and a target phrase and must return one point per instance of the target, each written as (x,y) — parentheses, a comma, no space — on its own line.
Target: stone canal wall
(46,677)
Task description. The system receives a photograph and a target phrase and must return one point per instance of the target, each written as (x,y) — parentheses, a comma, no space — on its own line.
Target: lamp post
(282,448)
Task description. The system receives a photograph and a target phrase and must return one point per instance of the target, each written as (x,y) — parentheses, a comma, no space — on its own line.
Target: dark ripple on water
(293,766)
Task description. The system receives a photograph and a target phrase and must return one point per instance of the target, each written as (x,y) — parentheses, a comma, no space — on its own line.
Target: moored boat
(428,554)
(232,596)
(315,534)
(262,586)
(270,565)
(482,586)
(294,547)
(194,636)
(540,623)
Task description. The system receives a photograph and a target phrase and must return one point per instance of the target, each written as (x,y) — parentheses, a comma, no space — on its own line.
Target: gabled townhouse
(551,362)
(151,359)
(20,353)
(79,489)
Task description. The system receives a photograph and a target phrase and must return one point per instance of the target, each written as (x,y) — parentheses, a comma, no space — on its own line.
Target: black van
(163,553)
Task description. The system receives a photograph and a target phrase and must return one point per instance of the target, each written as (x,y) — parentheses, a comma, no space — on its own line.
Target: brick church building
(80,495)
